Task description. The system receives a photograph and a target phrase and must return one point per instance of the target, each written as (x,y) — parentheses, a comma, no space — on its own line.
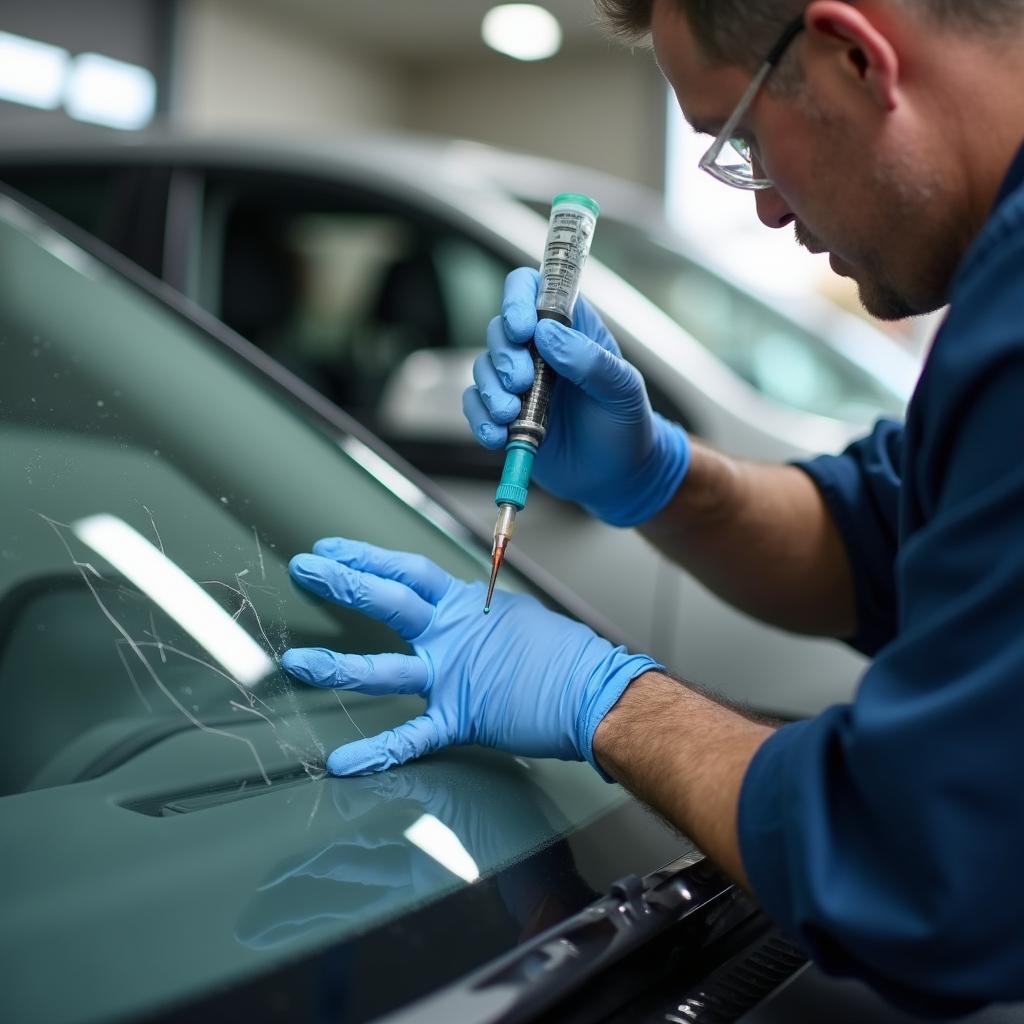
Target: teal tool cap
(579,199)
(515,478)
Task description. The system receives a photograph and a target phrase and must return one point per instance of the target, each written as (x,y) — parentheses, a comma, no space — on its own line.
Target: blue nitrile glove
(606,449)
(521,678)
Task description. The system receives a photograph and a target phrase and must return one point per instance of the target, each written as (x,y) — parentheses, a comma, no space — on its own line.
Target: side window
(124,206)
(472,282)
(342,293)
(773,354)
(83,195)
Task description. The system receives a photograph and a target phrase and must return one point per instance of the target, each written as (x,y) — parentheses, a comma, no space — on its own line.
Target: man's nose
(772,209)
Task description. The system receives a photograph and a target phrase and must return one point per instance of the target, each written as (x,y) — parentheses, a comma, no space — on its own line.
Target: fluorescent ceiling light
(31,72)
(110,92)
(438,841)
(177,594)
(523,31)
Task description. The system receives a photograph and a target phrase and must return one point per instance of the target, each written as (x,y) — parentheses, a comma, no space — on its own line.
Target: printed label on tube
(570,232)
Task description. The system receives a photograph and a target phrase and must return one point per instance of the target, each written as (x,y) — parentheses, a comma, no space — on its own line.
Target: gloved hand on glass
(522,678)
(606,449)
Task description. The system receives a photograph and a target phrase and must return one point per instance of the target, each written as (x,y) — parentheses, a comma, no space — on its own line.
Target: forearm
(761,538)
(685,756)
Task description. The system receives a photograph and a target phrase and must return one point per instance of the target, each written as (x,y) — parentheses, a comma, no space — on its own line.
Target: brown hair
(741,32)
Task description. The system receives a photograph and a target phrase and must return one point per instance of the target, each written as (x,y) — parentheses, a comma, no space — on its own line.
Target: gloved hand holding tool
(605,448)
(522,678)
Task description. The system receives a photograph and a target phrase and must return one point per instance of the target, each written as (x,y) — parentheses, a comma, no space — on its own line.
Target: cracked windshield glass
(154,488)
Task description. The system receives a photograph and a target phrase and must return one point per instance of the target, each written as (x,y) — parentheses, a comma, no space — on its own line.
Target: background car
(371,268)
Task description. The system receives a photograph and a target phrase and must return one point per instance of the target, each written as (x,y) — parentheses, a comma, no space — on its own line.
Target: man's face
(878,208)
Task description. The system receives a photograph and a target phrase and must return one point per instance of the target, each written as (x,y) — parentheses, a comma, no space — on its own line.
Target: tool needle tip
(497,558)
(490,586)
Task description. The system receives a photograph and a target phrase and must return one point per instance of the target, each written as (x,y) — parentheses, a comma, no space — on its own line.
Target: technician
(887,834)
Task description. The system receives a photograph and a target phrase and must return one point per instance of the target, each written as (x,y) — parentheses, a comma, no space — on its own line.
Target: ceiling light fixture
(107,91)
(523,31)
(31,72)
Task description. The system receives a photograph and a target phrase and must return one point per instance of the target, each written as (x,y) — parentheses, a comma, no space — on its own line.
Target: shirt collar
(1014,177)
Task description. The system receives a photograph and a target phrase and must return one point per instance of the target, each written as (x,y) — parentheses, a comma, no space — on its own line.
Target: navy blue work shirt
(887,835)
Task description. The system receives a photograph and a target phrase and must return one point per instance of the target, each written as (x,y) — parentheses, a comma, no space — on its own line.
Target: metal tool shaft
(570,230)
(532,423)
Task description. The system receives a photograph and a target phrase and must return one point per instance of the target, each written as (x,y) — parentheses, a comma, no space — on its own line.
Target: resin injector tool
(570,232)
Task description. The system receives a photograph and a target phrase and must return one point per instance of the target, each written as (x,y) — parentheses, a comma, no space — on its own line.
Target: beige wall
(249,65)
(604,110)
(241,66)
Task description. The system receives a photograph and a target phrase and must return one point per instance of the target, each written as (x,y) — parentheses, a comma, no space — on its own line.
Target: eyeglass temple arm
(741,108)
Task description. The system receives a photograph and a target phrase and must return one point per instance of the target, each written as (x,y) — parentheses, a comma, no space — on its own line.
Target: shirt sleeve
(886,836)
(861,488)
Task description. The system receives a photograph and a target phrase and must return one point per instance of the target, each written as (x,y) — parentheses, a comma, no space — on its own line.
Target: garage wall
(560,108)
(257,66)
(250,65)
(241,66)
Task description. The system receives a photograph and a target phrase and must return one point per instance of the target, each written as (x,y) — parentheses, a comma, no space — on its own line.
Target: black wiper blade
(519,985)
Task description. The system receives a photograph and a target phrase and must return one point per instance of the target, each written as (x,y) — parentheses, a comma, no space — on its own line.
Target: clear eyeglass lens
(742,147)
(740,171)
(737,164)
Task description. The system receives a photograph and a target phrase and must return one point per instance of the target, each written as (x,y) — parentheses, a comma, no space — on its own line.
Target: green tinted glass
(153,493)
(153,487)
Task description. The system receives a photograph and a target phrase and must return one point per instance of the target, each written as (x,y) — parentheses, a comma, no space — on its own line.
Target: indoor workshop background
(320,68)
(249,252)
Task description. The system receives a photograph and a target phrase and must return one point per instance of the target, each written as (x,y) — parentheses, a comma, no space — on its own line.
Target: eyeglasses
(740,172)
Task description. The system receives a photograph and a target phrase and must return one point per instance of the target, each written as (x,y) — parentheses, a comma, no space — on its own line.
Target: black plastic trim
(541,972)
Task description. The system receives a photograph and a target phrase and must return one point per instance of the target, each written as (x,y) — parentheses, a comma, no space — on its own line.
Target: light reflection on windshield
(183,600)
(438,841)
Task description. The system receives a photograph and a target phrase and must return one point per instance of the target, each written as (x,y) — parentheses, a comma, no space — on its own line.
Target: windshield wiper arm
(538,973)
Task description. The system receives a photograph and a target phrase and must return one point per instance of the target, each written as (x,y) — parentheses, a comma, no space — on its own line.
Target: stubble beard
(874,277)
(885,303)
(895,282)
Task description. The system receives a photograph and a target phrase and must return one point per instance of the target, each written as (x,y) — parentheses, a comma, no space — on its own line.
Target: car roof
(467,178)
(453,162)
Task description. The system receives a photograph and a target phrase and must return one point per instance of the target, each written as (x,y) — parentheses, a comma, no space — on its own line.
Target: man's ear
(862,50)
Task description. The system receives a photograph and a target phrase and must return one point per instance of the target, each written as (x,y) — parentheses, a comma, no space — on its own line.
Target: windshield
(161,776)
(773,354)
